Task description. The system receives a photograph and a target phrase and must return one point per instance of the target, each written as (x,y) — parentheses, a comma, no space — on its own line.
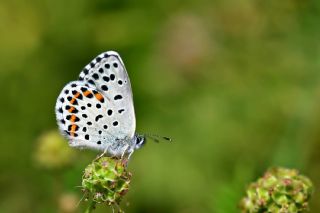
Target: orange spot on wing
(86,93)
(73,129)
(73,118)
(72,100)
(76,95)
(99,97)
(71,109)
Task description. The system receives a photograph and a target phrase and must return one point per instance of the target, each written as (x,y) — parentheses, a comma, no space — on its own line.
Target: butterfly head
(140,140)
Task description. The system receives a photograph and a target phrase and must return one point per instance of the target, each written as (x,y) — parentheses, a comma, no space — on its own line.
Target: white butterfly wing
(97,111)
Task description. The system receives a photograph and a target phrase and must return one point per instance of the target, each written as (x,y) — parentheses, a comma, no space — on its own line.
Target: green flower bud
(106,180)
(279,190)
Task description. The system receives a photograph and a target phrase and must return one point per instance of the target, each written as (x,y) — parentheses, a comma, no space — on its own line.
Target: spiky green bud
(106,180)
(279,190)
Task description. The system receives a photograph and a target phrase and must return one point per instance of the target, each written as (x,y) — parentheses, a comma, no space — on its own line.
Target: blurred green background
(236,84)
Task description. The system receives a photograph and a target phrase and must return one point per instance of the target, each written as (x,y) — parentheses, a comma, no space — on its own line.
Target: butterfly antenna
(154,139)
(157,138)
(167,138)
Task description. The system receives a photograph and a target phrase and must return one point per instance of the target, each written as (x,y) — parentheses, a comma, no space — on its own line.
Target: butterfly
(97,111)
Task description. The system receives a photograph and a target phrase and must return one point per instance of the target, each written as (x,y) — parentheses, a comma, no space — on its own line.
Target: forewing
(108,75)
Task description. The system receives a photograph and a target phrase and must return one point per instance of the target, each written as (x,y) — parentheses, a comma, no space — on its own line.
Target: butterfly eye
(140,141)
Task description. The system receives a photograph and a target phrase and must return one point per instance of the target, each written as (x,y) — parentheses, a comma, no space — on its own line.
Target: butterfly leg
(125,152)
(129,155)
(102,154)
(126,155)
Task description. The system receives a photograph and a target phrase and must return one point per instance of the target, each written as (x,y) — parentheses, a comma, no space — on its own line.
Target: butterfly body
(97,111)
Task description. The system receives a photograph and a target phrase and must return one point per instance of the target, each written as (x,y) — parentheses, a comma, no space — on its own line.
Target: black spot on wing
(106,78)
(104,88)
(117,97)
(87,137)
(95,76)
(91,82)
(85,71)
(89,95)
(98,117)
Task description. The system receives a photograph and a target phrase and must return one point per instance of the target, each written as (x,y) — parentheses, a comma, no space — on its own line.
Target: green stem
(91,207)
